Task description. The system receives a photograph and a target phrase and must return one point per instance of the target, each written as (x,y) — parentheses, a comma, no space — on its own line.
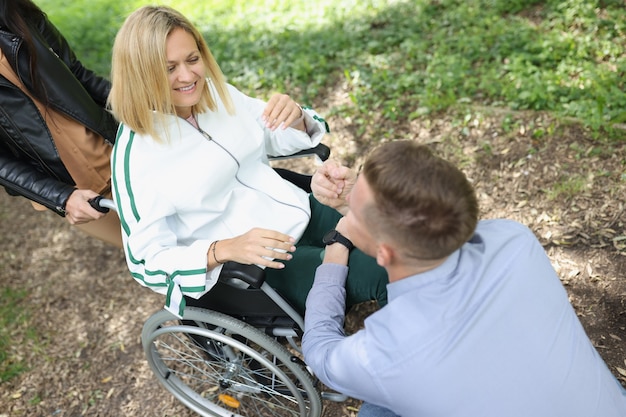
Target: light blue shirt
(489,333)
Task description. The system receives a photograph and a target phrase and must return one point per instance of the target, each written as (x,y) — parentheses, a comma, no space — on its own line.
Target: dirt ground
(88,312)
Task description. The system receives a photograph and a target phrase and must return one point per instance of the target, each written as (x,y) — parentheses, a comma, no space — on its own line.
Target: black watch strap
(333,236)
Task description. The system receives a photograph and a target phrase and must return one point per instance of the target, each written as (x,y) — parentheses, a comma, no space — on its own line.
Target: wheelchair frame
(241,356)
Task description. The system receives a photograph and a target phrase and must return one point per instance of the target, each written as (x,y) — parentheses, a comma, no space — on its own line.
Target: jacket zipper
(31,196)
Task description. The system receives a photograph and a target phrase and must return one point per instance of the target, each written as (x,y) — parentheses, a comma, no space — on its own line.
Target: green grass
(14,332)
(567,188)
(401,59)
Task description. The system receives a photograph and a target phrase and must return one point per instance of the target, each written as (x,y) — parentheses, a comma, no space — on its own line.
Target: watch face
(329,237)
(334,236)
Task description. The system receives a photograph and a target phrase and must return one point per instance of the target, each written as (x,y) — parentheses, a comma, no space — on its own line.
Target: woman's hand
(331,183)
(258,246)
(282,111)
(78,210)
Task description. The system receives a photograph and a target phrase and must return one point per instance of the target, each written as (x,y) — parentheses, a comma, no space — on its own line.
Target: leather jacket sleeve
(29,163)
(24,167)
(20,178)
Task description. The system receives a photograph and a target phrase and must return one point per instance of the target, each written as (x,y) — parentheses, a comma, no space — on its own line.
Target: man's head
(408,198)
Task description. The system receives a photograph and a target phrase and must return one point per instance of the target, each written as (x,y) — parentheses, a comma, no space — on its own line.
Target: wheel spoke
(217,365)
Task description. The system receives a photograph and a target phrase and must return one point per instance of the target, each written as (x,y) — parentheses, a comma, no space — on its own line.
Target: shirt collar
(413,282)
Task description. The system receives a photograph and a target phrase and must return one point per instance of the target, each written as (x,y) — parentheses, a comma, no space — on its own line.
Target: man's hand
(331,184)
(78,210)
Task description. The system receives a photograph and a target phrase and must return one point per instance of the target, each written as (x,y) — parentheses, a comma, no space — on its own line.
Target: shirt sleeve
(283,141)
(340,362)
(154,256)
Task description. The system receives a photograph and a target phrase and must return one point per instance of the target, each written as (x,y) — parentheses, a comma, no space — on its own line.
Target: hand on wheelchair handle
(95,203)
(79,208)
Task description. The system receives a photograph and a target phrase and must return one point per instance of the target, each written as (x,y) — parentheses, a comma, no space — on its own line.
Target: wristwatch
(333,236)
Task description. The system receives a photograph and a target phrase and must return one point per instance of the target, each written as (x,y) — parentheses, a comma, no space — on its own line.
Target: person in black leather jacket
(48,78)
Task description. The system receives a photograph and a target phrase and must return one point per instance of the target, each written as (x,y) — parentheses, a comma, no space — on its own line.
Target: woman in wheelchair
(191,178)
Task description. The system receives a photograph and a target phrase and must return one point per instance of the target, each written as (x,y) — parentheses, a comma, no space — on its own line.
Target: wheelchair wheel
(219,366)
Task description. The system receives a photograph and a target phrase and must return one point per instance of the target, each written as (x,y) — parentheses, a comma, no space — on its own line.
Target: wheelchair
(236,352)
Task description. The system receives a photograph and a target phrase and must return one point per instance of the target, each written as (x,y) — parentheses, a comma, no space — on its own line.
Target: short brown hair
(421,202)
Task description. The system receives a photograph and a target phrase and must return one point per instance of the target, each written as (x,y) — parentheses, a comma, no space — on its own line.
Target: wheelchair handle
(103,205)
(321,152)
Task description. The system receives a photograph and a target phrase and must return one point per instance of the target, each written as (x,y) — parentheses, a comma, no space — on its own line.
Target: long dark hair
(20,17)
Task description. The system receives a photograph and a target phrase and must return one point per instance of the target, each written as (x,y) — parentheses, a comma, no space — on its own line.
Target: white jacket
(175,198)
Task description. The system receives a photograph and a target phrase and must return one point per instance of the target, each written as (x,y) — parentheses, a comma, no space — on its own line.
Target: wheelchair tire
(221,366)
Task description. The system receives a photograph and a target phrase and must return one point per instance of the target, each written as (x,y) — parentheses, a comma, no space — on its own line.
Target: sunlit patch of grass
(567,188)
(399,60)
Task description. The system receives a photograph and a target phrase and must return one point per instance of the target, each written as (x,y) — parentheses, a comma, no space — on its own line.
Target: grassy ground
(86,312)
(401,60)
(404,69)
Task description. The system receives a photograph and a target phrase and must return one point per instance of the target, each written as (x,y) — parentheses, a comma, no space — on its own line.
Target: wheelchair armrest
(321,151)
(252,275)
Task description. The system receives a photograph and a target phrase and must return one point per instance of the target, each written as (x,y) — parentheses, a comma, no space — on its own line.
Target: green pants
(366,279)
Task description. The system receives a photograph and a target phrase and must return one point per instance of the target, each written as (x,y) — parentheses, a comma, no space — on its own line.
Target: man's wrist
(333,236)
(336,254)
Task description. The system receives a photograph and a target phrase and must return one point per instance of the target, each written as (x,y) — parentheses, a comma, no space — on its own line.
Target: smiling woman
(186,72)
(191,177)
(171,54)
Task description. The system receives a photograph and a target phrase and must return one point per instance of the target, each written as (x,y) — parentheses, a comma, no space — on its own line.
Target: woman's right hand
(78,210)
(257,246)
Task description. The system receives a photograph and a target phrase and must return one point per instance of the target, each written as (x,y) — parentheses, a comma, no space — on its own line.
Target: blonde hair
(139,78)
